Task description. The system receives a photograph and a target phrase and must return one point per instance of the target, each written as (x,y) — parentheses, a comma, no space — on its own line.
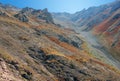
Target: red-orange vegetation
(100,63)
(113,32)
(64,45)
(102,27)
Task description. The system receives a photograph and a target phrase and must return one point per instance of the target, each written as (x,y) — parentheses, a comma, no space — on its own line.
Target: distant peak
(27,9)
(45,10)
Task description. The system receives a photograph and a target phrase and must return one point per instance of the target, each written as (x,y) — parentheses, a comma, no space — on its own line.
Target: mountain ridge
(102,21)
(34,48)
(84,18)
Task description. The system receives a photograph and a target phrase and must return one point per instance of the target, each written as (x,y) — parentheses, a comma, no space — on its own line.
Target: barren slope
(33,48)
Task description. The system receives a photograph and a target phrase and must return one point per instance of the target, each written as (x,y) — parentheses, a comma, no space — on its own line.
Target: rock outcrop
(22,17)
(36,49)
(6,74)
(38,14)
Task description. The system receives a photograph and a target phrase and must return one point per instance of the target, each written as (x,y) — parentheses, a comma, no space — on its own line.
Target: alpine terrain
(36,45)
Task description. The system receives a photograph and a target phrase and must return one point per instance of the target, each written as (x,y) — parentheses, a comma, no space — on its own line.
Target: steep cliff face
(39,50)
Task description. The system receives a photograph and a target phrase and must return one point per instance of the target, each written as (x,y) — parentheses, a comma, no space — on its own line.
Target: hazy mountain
(88,18)
(109,32)
(64,19)
(104,21)
(34,48)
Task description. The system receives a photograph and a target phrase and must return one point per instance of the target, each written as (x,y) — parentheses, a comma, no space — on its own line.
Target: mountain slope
(33,48)
(99,27)
(63,19)
(103,21)
(95,15)
(88,18)
(108,31)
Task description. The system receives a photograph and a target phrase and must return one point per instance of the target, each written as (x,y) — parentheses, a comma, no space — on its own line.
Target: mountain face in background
(35,48)
(88,18)
(63,19)
(102,21)
(109,32)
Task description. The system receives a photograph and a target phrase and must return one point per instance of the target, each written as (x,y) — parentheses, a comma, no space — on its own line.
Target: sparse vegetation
(34,48)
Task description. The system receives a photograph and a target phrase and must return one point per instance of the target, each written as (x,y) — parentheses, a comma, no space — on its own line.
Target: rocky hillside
(95,15)
(33,48)
(109,32)
(88,18)
(103,21)
(27,14)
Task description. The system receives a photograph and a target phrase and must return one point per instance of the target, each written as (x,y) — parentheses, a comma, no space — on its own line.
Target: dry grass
(64,45)
(14,21)
(6,56)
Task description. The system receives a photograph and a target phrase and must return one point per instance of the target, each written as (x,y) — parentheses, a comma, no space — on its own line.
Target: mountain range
(36,45)
(102,21)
